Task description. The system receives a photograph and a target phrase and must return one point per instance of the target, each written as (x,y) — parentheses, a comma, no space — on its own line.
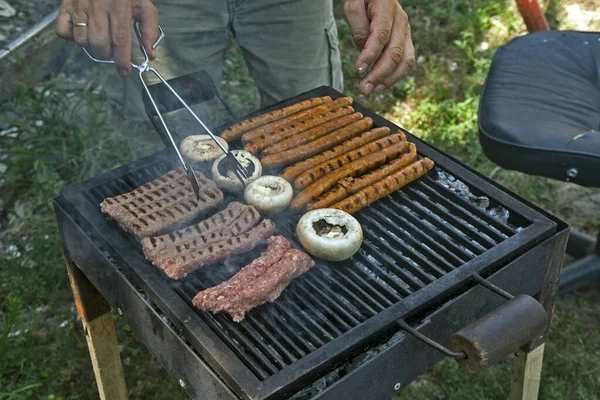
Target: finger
(380,31)
(148,19)
(79,16)
(99,32)
(120,36)
(392,54)
(64,24)
(356,16)
(407,64)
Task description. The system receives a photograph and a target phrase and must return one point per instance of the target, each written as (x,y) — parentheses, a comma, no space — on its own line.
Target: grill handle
(494,336)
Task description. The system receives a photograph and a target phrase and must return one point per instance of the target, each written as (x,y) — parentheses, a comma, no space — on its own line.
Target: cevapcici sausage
(355,168)
(316,146)
(312,134)
(348,186)
(293,128)
(319,171)
(295,170)
(234,132)
(387,185)
(402,135)
(304,115)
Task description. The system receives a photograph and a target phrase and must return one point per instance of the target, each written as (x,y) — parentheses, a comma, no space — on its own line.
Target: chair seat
(539,111)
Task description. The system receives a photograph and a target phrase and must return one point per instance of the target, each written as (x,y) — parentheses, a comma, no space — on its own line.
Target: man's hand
(381,32)
(105,26)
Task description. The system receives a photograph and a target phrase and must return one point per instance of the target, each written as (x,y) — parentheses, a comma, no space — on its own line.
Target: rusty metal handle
(494,336)
(503,331)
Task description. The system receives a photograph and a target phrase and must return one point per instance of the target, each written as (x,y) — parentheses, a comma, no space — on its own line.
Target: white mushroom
(269,194)
(201,148)
(329,234)
(226,178)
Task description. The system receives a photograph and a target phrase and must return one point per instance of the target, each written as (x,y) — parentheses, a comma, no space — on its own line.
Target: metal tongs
(239,170)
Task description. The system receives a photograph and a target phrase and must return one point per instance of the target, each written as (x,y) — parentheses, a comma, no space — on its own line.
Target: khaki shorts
(290,46)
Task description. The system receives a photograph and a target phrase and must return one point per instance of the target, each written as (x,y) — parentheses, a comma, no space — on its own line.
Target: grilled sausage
(312,134)
(319,171)
(355,168)
(387,185)
(316,146)
(295,170)
(304,115)
(234,132)
(295,127)
(348,186)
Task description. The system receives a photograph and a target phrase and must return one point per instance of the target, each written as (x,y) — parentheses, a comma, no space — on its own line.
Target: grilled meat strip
(269,285)
(155,244)
(182,264)
(162,203)
(212,299)
(247,220)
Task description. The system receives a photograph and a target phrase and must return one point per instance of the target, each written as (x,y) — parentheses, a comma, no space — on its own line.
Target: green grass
(63,137)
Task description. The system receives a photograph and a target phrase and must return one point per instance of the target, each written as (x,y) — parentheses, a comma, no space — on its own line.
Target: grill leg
(528,365)
(99,328)
(527,374)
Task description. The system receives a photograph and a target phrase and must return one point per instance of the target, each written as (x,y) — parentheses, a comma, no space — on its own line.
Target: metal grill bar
(476,211)
(329,310)
(422,263)
(353,313)
(255,339)
(254,325)
(320,333)
(374,217)
(367,279)
(411,282)
(430,229)
(417,236)
(435,220)
(484,240)
(300,325)
(262,319)
(456,209)
(381,277)
(358,286)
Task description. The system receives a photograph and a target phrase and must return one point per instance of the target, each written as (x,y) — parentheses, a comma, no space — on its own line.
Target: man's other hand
(381,32)
(104,27)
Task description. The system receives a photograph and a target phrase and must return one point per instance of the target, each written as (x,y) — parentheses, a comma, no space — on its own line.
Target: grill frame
(221,358)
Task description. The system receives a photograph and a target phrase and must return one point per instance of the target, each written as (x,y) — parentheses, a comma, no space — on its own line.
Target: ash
(321,384)
(462,190)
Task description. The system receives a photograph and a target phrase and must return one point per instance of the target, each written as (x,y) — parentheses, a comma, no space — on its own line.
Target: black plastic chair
(539,113)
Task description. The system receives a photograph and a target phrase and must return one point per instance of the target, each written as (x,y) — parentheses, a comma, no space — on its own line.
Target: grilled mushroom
(201,148)
(226,178)
(329,234)
(269,194)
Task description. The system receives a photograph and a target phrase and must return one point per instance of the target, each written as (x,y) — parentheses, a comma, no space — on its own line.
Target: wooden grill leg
(99,328)
(527,374)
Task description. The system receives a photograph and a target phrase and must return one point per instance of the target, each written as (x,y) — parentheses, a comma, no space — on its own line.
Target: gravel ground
(27,14)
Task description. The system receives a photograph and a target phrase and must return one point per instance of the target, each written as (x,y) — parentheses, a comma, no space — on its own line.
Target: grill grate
(411,239)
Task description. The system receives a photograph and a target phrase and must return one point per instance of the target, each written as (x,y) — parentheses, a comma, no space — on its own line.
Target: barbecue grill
(434,255)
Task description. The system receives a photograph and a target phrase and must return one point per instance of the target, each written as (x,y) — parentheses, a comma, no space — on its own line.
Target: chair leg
(527,374)
(99,328)
(533,15)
